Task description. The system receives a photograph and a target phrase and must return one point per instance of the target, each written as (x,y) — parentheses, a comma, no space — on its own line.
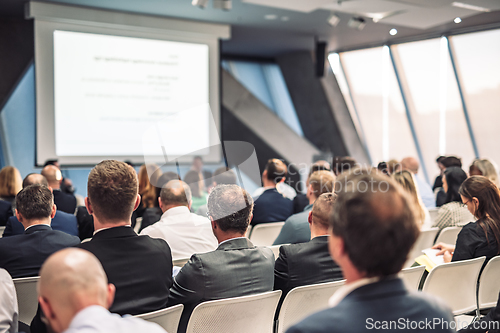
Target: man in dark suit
(373,227)
(308,263)
(235,268)
(296,227)
(64,201)
(23,255)
(62,221)
(272,206)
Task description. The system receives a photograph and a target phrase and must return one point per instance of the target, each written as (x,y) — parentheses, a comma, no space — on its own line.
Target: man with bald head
(61,221)
(75,296)
(186,233)
(64,201)
(424,190)
(372,229)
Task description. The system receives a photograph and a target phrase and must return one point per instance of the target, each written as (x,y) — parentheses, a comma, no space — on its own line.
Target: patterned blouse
(452,214)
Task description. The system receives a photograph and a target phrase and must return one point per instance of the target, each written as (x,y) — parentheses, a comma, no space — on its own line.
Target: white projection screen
(106,81)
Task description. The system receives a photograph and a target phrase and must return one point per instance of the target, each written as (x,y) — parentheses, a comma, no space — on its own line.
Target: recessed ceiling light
(285,18)
(457,20)
(333,20)
(393,32)
(470,7)
(271,17)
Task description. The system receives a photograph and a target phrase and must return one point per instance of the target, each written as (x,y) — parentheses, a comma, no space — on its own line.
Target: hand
(443,248)
(447,256)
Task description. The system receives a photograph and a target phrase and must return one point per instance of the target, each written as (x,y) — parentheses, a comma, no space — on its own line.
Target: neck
(55,186)
(229,235)
(268,183)
(104,224)
(312,199)
(30,223)
(167,207)
(318,231)
(351,274)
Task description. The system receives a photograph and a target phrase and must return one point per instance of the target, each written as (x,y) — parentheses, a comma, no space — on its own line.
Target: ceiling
(268,28)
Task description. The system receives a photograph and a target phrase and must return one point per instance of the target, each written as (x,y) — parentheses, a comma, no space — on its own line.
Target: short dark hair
(34,178)
(342,163)
(276,170)
(376,220)
(176,192)
(50,162)
(112,190)
(455,176)
(224,176)
(35,202)
(230,206)
(322,182)
(450,161)
(440,159)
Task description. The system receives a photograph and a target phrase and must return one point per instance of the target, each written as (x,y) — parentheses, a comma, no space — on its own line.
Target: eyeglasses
(464,204)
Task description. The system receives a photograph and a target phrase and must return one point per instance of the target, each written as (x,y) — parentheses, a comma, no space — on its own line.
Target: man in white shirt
(75,296)
(8,303)
(186,233)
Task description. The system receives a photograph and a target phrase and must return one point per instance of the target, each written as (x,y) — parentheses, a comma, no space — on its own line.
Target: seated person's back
(23,255)
(272,206)
(186,233)
(64,201)
(236,268)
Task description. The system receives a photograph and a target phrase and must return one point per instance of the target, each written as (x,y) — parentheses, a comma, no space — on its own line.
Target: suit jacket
(372,305)
(236,268)
(61,222)
(304,264)
(85,223)
(300,202)
(296,229)
(271,206)
(5,212)
(140,267)
(23,255)
(64,201)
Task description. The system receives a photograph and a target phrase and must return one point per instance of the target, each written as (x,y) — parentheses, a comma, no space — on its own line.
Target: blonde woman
(405,178)
(10,185)
(483,167)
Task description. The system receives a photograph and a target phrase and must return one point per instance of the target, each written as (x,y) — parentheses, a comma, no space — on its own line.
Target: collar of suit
(37,227)
(115,232)
(235,244)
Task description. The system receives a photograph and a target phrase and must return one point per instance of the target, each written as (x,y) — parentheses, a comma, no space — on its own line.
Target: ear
(110,295)
(50,188)
(19,216)
(46,308)
(88,206)
(160,204)
(250,217)
(214,224)
(310,218)
(190,203)
(137,201)
(53,213)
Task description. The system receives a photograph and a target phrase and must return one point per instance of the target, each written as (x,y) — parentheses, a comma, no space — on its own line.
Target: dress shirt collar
(109,228)
(346,289)
(37,225)
(179,210)
(230,239)
(82,317)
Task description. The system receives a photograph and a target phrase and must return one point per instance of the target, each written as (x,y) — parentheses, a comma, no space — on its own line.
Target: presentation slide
(109,90)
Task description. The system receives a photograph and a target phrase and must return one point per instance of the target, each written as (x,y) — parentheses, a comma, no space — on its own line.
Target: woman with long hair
(148,174)
(452,213)
(481,238)
(10,185)
(405,179)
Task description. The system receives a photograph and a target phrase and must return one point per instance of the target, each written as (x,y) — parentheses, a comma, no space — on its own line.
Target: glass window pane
(434,101)
(477,58)
(379,104)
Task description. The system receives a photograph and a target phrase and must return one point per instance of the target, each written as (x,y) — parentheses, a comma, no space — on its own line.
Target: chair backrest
(489,284)
(448,235)
(167,318)
(246,314)
(424,241)
(412,276)
(249,231)
(276,250)
(1,231)
(180,262)
(455,283)
(27,298)
(265,234)
(302,301)
(433,212)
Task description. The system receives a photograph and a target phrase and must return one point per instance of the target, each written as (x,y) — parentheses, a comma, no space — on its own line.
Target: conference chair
(167,318)
(302,301)
(448,235)
(1,231)
(276,250)
(424,241)
(455,283)
(412,276)
(489,285)
(27,298)
(264,234)
(246,314)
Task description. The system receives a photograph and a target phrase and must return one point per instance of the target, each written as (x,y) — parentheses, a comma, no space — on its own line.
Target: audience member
(62,221)
(10,185)
(382,167)
(221,176)
(406,179)
(438,181)
(480,238)
(342,163)
(296,228)
(85,223)
(75,296)
(153,214)
(197,166)
(65,202)
(300,202)
(424,190)
(371,233)
(8,304)
(452,213)
(393,166)
(66,184)
(447,162)
(308,263)
(272,206)
(186,233)
(148,175)
(483,167)
(236,268)
(196,184)
(23,255)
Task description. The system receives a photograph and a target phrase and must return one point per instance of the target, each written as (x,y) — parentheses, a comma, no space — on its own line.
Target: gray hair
(230,206)
(176,192)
